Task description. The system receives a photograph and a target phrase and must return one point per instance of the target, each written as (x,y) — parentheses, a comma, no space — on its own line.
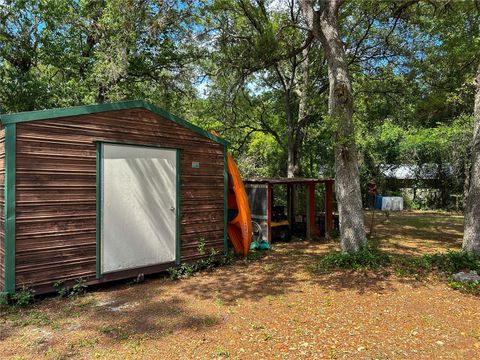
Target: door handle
(172,208)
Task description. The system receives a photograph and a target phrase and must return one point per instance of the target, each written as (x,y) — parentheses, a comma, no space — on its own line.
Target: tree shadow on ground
(286,270)
(245,280)
(153,318)
(5,330)
(161,307)
(361,282)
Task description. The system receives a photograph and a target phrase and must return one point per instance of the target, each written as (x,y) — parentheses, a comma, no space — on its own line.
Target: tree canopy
(252,70)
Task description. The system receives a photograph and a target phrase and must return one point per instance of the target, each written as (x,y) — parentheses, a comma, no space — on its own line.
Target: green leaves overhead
(250,69)
(68,52)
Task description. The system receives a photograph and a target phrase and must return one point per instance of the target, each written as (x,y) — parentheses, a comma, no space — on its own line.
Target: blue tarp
(378,202)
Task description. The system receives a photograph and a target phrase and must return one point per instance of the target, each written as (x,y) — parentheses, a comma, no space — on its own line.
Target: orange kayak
(239,225)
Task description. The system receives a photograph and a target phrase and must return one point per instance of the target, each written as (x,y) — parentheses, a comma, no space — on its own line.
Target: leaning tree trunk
(324,25)
(471,236)
(302,120)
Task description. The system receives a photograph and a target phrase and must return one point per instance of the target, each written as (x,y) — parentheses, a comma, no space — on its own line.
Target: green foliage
(23,297)
(370,257)
(367,257)
(60,289)
(228,65)
(78,288)
(63,53)
(472,287)
(182,272)
(201,247)
(213,260)
(454,261)
(3,299)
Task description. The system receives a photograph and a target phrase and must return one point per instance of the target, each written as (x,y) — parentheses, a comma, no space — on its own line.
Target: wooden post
(290,206)
(328,208)
(269,212)
(311,225)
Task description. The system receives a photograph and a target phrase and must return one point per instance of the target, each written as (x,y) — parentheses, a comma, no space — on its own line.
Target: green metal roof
(91,109)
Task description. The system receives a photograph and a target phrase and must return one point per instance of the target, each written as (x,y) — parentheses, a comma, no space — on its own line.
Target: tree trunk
(293,163)
(324,25)
(467,163)
(471,236)
(292,153)
(298,129)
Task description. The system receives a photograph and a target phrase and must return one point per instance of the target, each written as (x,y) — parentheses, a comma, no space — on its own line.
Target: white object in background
(392,203)
(138,206)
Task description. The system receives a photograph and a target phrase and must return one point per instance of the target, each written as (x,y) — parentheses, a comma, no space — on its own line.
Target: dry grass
(417,232)
(269,308)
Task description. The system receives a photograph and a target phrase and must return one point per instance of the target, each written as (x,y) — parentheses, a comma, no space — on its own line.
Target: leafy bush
(77,289)
(367,257)
(466,287)
(213,260)
(455,261)
(23,297)
(61,290)
(182,272)
(371,257)
(3,299)
(404,265)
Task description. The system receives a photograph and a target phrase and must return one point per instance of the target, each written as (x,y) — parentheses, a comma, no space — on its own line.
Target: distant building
(420,185)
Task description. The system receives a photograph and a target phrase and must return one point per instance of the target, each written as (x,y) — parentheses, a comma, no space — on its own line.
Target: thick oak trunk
(324,25)
(471,236)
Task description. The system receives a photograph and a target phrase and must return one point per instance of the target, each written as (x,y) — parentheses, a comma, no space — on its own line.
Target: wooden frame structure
(312,229)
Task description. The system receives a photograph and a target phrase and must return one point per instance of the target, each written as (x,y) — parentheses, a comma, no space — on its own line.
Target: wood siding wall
(56,189)
(2,208)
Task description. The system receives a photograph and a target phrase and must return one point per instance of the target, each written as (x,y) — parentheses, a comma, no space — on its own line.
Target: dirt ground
(265,309)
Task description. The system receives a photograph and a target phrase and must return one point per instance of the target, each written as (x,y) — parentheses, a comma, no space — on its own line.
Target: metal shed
(105,192)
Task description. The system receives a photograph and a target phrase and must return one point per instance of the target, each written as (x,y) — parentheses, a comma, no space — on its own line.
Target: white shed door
(138,188)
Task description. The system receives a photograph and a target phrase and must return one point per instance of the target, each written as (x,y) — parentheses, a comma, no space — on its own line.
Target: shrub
(23,297)
(3,299)
(79,288)
(465,287)
(61,290)
(367,257)
(213,260)
(76,290)
(455,261)
(405,265)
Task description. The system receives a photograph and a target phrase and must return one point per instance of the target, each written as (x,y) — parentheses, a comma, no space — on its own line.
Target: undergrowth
(213,260)
(78,289)
(370,257)
(21,298)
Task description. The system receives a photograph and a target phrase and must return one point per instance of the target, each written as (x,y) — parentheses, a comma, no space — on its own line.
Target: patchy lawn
(268,308)
(417,232)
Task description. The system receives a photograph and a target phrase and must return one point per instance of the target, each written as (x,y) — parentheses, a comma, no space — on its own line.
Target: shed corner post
(225,200)
(10,204)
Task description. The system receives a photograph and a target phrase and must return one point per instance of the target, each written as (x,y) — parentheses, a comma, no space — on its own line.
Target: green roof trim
(92,109)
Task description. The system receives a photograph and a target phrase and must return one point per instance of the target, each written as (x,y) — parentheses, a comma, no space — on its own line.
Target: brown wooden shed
(105,192)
